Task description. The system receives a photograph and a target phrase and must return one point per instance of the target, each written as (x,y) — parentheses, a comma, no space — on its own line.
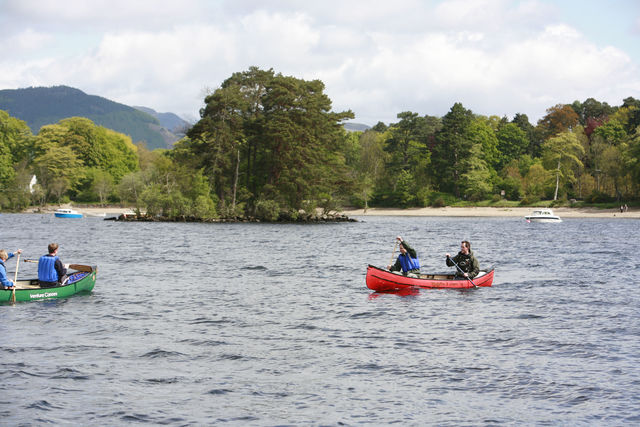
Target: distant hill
(39,106)
(169,121)
(356,127)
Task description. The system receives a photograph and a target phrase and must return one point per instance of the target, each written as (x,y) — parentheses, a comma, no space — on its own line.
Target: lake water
(265,324)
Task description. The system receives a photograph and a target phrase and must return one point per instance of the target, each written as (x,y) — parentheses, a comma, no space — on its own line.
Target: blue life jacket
(408,263)
(4,281)
(47,269)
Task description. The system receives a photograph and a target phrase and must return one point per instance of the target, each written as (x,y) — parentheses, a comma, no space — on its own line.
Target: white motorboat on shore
(542,215)
(67,213)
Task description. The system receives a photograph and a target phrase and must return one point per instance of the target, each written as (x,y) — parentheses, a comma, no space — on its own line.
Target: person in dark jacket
(4,281)
(465,260)
(51,271)
(407,261)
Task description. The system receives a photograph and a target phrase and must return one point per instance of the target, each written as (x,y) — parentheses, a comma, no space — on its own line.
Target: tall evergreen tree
(265,136)
(452,148)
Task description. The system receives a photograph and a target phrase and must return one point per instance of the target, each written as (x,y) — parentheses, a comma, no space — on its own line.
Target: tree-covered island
(268,147)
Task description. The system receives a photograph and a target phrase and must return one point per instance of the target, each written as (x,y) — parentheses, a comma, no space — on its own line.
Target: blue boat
(67,213)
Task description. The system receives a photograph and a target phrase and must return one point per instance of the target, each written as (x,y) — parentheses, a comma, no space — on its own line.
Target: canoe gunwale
(382,280)
(28,290)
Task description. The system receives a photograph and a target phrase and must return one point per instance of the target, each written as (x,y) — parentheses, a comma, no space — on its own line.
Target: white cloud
(375,58)
(25,41)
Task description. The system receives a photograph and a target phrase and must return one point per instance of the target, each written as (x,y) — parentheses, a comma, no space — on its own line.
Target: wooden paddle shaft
(78,267)
(458,267)
(15,280)
(393,253)
(15,277)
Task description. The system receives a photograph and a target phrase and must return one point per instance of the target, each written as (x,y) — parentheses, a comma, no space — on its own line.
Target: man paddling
(407,261)
(4,281)
(51,271)
(465,260)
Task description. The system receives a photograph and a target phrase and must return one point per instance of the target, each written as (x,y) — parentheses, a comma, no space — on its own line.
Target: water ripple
(279,328)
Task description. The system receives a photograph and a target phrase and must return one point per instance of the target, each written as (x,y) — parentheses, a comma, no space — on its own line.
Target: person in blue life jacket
(4,281)
(51,271)
(407,261)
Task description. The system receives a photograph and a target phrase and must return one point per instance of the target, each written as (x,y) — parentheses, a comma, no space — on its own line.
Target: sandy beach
(109,211)
(105,211)
(493,212)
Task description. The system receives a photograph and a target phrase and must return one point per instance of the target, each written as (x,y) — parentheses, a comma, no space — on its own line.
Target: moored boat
(542,215)
(81,281)
(382,280)
(67,213)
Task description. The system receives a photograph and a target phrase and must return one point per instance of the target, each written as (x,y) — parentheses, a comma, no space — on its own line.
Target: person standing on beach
(51,271)
(465,260)
(4,281)
(407,261)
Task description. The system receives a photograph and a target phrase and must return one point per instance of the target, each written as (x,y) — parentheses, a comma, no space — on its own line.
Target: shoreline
(105,211)
(562,212)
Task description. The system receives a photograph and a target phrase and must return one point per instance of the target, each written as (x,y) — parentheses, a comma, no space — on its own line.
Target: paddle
(15,279)
(78,267)
(458,267)
(393,253)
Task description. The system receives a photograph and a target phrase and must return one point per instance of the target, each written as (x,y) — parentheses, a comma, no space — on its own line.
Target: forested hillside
(172,122)
(269,146)
(39,106)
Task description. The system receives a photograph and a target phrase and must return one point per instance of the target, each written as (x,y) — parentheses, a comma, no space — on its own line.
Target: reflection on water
(261,324)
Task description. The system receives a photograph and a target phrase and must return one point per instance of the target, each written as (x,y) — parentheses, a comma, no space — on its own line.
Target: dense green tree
(269,145)
(172,190)
(559,118)
(131,187)
(370,165)
(609,135)
(101,184)
(512,180)
(380,127)
(536,181)
(99,147)
(7,172)
(276,132)
(476,178)
(591,109)
(403,135)
(409,158)
(452,148)
(633,107)
(93,148)
(614,165)
(563,152)
(512,143)
(57,169)
(483,134)
(634,158)
(15,139)
(612,132)
(16,142)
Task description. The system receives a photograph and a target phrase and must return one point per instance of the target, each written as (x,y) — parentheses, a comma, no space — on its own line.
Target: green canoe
(81,281)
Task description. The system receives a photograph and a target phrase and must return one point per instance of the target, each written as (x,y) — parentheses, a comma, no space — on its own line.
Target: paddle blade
(80,267)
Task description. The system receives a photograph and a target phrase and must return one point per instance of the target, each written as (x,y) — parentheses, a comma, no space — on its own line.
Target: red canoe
(381,280)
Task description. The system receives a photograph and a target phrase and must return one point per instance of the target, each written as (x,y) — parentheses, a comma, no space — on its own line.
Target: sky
(376,58)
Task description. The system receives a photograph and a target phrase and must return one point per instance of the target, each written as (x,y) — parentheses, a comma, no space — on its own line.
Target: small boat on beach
(67,213)
(542,215)
(381,280)
(81,281)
